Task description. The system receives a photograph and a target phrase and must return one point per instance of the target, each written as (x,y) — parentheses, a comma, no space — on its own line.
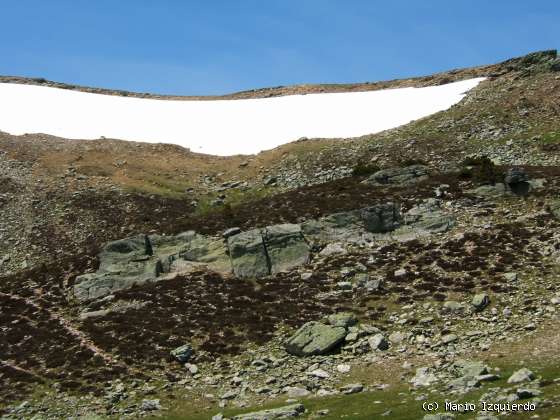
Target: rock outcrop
(260,252)
(286,247)
(248,254)
(144,259)
(356,225)
(123,264)
(254,253)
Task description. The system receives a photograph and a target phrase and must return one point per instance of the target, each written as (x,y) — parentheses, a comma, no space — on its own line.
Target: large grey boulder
(314,338)
(286,247)
(255,253)
(288,411)
(399,176)
(248,254)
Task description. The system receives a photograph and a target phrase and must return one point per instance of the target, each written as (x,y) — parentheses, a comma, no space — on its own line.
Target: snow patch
(219,127)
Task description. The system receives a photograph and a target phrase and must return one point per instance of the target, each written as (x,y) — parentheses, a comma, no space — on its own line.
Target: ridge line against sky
(218,47)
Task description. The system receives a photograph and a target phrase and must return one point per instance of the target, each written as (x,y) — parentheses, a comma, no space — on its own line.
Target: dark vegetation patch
(221,315)
(36,348)
(364,169)
(481,170)
(411,161)
(8,185)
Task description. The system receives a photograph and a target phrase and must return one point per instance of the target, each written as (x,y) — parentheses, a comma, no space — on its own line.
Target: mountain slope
(63,199)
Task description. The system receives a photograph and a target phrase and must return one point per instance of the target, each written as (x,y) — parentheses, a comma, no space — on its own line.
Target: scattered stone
(294,410)
(342,368)
(270,180)
(342,319)
(374,284)
(344,285)
(193,369)
(182,353)
(333,249)
(449,338)
(296,392)
(516,176)
(319,373)
(495,190)
(470,368)
(352,388)
(522,375)
(464,383)
(397,337)
(452,306)
(524,393)
(230,395)
(150,405)
(423,377)
(378,342)
(510,277)
(480,301)
(306,276)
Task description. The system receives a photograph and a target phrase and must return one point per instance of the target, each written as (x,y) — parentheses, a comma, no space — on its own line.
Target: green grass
(552,137)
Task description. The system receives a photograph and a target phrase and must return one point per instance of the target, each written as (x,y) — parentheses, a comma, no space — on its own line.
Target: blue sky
(220,46)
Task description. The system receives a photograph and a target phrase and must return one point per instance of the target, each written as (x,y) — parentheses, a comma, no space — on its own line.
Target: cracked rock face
(248,254)
(260,252)
(123,264)
(354,226)
(254,253)
(286,247)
